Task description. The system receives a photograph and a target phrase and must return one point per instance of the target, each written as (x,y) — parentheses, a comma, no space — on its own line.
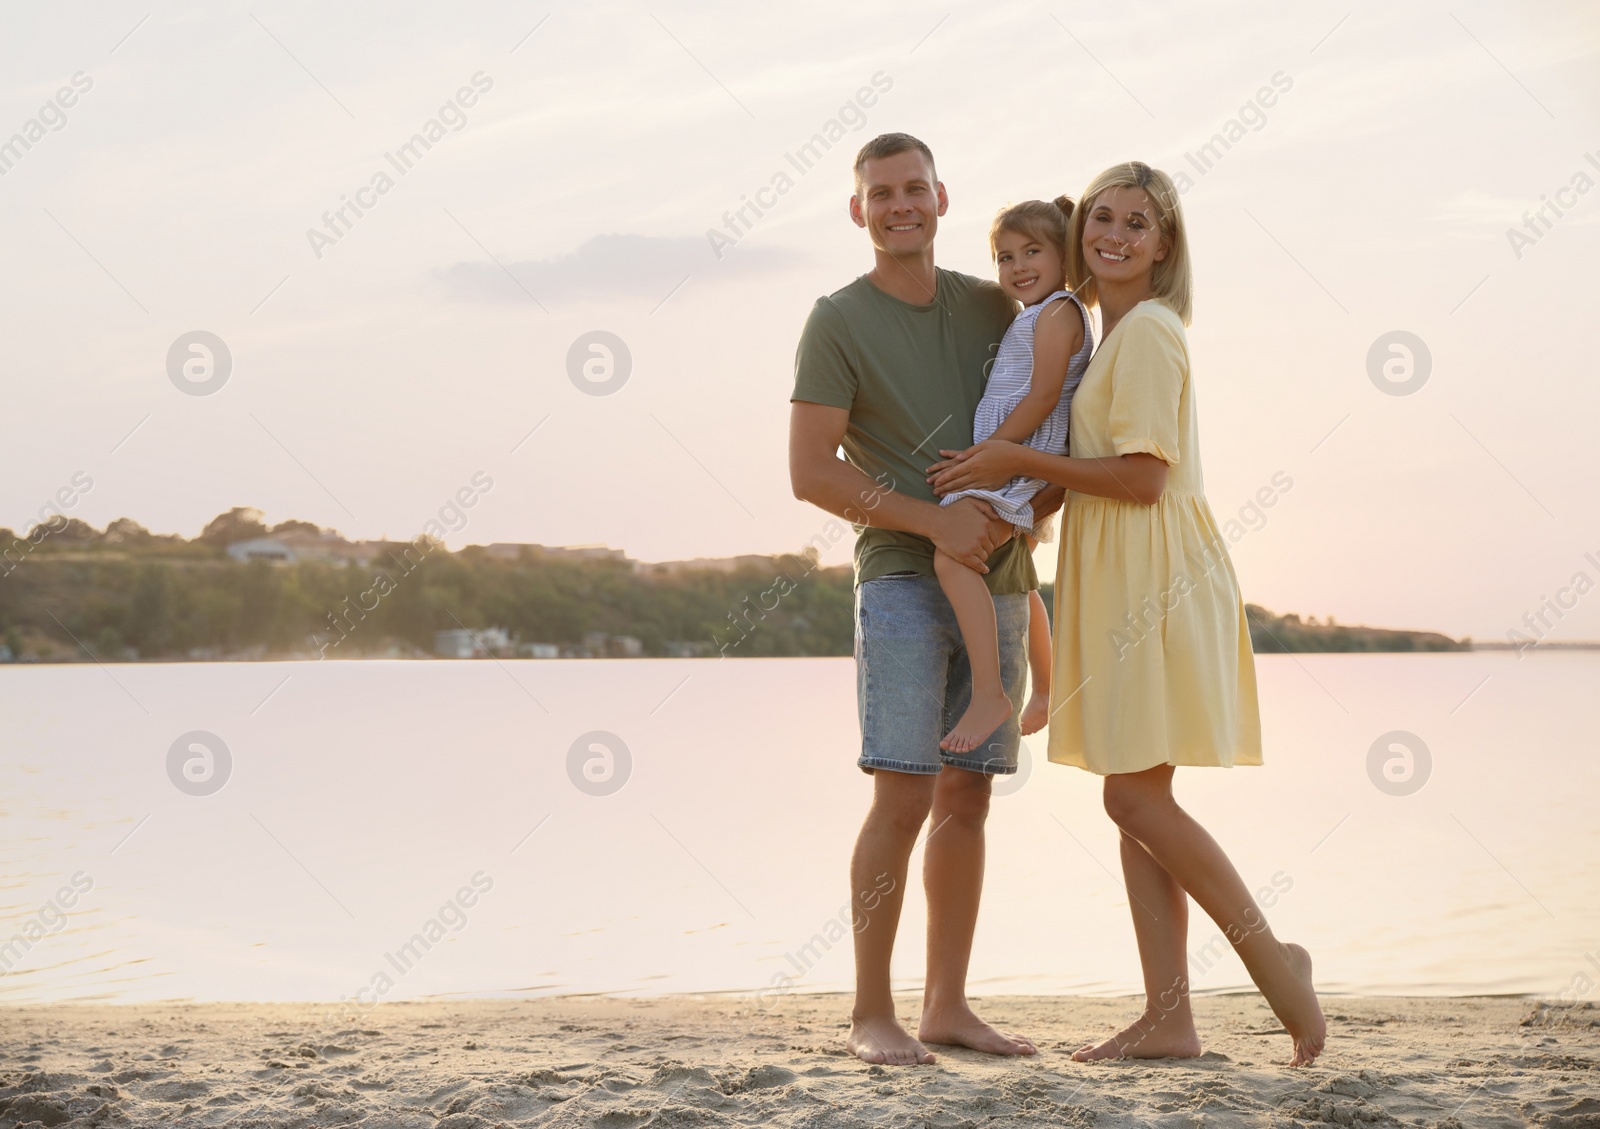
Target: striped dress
(1010,379)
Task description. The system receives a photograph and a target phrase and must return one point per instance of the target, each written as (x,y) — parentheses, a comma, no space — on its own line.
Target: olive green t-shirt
(911,378)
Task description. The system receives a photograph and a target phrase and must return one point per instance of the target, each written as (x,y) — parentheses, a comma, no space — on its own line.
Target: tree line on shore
(126,594)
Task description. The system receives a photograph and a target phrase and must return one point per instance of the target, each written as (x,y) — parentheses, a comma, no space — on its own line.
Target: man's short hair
(888,145)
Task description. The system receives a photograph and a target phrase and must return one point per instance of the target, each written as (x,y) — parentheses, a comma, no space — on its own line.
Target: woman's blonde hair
(1171,281)
(1037,220)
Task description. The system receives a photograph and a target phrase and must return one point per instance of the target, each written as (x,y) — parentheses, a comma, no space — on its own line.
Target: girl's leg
(1037,712)
(974,607)
(1160,911)
(1142,805)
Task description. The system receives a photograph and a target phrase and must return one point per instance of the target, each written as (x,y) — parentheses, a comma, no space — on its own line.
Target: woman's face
(1028,271)
(1121,242)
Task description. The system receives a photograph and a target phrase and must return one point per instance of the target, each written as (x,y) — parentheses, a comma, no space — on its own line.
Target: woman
(1153,667)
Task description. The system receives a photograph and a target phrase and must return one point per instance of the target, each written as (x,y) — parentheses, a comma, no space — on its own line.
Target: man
(892,367)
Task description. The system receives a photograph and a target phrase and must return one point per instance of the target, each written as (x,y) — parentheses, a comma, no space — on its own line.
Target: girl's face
(1121,242)
(1029,271)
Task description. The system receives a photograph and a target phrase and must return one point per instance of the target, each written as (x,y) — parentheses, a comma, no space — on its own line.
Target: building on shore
(462,643)
(262,549)
(514,550)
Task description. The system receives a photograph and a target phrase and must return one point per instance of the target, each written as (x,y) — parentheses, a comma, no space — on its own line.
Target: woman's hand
(985,466)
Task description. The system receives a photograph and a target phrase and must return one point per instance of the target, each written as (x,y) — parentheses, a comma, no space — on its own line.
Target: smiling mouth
(904,226)
(1111,256)
(1025,283)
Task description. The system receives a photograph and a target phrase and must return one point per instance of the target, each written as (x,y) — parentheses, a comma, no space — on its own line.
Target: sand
(706,1061)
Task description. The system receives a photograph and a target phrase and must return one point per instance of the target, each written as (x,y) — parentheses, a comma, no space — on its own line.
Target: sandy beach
(474,1064)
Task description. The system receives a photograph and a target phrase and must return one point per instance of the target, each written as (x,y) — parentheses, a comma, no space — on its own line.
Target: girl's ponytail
(1065,204)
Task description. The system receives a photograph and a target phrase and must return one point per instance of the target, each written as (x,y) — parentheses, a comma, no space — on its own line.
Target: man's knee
(962,795)
(901,801)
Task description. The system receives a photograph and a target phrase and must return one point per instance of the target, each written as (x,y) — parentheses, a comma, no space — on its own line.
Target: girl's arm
(1056,338)
(1150,371)
(1138,477)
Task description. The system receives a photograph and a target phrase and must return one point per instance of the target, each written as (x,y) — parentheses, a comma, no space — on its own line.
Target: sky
(182,160)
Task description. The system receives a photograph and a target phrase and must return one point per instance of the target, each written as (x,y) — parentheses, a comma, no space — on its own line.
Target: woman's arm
(1139,477)
(1055,339)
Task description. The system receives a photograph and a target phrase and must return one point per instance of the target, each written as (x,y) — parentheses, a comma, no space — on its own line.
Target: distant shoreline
(244,591)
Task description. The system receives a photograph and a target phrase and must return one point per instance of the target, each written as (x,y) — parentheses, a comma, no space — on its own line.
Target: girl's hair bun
(1065,204)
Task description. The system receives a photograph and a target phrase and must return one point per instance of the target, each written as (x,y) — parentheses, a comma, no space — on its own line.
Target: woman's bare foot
(984,715)
(882,1040)
(1034,714)
(1155,1034)
(1300,1012)
(962,1028)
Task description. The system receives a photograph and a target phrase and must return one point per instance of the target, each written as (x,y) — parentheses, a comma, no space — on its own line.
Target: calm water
(363,796)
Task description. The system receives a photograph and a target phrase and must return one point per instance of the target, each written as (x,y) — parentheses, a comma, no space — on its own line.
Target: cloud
(605,266)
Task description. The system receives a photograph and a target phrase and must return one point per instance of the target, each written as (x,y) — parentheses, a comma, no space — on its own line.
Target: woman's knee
(1130,800)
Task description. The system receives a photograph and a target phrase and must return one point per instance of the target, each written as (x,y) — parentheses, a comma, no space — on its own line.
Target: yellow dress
(1152,651)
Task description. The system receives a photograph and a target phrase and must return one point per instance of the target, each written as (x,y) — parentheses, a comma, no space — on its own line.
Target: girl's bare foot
(882,1040)
(964,1029)
(1299,1010)
(984,715)
(1155,1034)
(1034,714)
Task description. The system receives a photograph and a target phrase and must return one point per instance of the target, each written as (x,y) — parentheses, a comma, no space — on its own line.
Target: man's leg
(952,874)
(900,805)
(953,859)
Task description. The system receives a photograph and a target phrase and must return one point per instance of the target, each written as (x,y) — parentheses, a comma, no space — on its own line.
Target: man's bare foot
(1153,1035)
(882,1040)
(964,1029)
(1301,1014)
(983,716)
(1034,714)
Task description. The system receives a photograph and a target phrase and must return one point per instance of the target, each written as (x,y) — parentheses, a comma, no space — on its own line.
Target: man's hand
(969,530)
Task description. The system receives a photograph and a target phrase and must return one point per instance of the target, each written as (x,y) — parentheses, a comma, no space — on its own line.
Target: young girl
(1041,359)
(1154,667)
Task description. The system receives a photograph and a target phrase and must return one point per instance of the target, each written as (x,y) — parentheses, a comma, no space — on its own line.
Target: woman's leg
(1160,911)
(1142,805)
(1037,712)
(974,607)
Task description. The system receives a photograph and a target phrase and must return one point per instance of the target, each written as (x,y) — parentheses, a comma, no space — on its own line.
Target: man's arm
(1047,501)
(968,531)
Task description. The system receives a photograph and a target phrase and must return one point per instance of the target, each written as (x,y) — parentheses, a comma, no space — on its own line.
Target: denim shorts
(913,681)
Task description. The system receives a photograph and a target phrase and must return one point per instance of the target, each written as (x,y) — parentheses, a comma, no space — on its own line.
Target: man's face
(899,203)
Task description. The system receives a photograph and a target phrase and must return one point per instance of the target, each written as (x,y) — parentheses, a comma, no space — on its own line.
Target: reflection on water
(391,830)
